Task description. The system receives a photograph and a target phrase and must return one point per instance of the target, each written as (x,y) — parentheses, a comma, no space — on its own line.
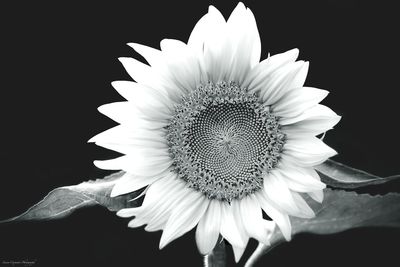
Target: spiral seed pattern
(223,141)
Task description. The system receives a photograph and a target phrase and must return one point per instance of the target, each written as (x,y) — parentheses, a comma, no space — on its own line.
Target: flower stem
(217,258)
(260,251)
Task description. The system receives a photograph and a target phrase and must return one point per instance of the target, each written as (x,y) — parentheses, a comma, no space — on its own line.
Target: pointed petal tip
(137,47)
(123,60)
(212,10)
(287,232)
(127,212)
(336,119)
(332,152)
(107,164)
(325,92)
(97,163)
(100,164)
(114,83)
(305,67)
(102,108)
(318,196)
(119,213)
(238,252)
(204,252)
(294,53)
(240,5)
(135,223)
(163,242)
(130,44)
(288,237)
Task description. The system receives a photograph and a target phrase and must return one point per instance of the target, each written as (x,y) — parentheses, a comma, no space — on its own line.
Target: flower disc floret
(223,141)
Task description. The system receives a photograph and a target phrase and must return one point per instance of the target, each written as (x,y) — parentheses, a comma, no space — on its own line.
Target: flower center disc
(223,141)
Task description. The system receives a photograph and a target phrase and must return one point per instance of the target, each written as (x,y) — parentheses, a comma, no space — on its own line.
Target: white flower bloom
(217,136)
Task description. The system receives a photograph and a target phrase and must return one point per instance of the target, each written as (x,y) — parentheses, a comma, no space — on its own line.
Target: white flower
(217,136)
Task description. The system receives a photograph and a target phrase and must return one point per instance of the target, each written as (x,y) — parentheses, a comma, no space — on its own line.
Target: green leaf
(62,201)
(340,211)
(338,175)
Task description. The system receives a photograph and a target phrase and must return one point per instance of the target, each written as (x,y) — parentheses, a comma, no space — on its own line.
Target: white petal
(138,221)
(279,217)
(201,32)
(231,225)
(269,227)
(148,168)
(319,114)
(317,195)
(109,134)
(146,99)
(280,82)
(207,230)
(252,219)
(111,164)
(300,179)
(130,183)
(279,60)
(238,252)
(129,212)
(160,197)
(125,136)
(126,113)
(305,210)
(198,35)
(148,148)
(279,193)
(184,217)
(287,78)
(310,127)
(184,68)
(245,41)
(217,49)
(141,72)
(307,151)
(298,100)
(262,71)
(162,188)
(256,40)
(141,166)
(159,148)
(158,61)
(154,151)
(164,208)
(153,56)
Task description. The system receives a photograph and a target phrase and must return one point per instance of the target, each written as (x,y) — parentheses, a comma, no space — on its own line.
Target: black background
(57,61)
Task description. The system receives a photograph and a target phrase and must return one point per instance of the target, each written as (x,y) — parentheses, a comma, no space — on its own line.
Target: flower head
(216,136)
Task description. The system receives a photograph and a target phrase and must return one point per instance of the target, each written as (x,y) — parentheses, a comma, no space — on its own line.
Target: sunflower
(216,137)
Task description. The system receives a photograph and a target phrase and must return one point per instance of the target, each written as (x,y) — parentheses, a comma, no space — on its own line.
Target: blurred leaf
(62,201)
(340,211)
(338,175)
(343,210)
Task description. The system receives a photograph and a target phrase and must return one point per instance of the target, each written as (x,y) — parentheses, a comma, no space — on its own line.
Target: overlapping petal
(207,231)
(185,215)
(218,50)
